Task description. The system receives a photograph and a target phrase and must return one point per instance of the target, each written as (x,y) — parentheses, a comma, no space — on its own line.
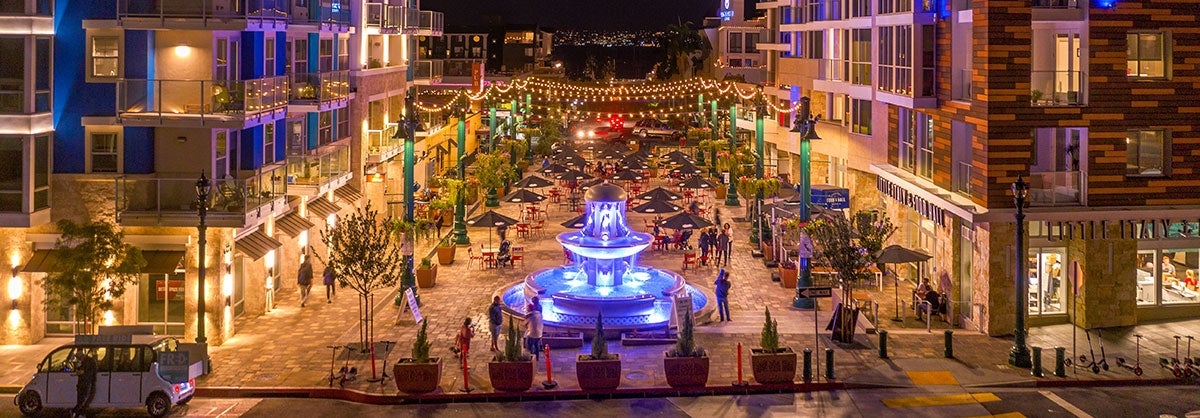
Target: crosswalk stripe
(940,400)
(1004,415)
(1063,403)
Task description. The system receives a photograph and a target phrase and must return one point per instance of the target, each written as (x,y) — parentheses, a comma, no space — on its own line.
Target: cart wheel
(1137,371)
(1067,361)
(1082,358)
(1105,367)
(1178,372)
(1096,369)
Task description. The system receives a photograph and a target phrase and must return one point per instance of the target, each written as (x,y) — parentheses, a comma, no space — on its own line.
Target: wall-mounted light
(331,220)
(303,242)
(227,278)
(14,288)
(183,51)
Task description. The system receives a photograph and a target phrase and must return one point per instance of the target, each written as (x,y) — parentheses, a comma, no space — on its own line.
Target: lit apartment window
(857,49)
(325,127)
(860,116)
(895,6)
(1148,54)
(1148,153)
(104,152)
(895,59)
(106,53)
(735,42)
(908,135)
(268,143)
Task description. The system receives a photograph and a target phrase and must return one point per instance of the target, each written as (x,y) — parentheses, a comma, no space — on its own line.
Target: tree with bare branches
(365,258)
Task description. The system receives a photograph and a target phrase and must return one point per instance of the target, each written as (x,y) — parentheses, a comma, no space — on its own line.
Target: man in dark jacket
(304,279)
(85,385)
(704,243)
(723,285)
(495,321)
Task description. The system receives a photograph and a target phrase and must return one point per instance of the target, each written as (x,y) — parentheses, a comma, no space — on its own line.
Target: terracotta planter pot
(598,374)
(447,217)
(722,192)
(768,252)
(773,368)
(446,255)
(427,278)
(685,371)
(511,376)
(417,377)
(787,277)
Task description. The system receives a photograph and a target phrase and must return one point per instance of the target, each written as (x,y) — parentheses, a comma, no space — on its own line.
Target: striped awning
(321,208)
(256,245)
(349,196)
(293,224)
(157,262)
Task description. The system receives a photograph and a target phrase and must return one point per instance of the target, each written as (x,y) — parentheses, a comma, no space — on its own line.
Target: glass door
(1067,71)
(161,302)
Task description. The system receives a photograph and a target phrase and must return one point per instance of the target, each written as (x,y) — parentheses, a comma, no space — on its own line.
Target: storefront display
(1047,275)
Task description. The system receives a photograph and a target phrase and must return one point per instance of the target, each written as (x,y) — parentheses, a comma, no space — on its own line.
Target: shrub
(512,345)
(420,350)
(685,345)
(599,344)
(770,335)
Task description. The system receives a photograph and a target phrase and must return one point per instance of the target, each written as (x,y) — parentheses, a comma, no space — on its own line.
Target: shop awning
(321,208)
(348,195)
(293,224)
(256,245)
(157,262)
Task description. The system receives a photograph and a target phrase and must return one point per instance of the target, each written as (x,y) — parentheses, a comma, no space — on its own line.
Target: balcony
(1055,4)
(234,203)
(1057,88)
(1056,188)
(843,70)
(382,146)
(411,21)
(1057,10)
(426,72)
(388,18)
(323,14)
(430,23)
(320,90)
(203,14)
(216,103)
(320,171)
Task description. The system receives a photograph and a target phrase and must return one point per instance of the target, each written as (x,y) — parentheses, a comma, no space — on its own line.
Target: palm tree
(686,50)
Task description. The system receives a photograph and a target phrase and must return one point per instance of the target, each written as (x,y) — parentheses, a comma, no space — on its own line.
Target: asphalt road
(1160,402)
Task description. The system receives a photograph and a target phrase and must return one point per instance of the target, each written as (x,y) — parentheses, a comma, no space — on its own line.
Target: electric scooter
(1083,358)
(1103,357)
(347,373)
(332,360)
(1172,364)
(1136,367)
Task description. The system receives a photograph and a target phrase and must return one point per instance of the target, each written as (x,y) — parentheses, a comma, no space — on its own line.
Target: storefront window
(160,302)
(1179,269)
(1047,273)
(1146,272)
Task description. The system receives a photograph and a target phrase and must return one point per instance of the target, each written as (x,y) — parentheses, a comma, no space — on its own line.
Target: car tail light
(176,388)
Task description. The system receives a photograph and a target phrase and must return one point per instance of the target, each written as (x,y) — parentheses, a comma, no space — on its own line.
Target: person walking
(704,244)
(495,321)
(533,328)
(327,280)
(304,278)
(723,284)
(725,246)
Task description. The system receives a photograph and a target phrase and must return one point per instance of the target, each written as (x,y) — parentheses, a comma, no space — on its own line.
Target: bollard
(1060,359)
(740,381)
(466,381)
(808,373)
(949,344)
(883,344)
(549,383)
(1037,362)
(829,364)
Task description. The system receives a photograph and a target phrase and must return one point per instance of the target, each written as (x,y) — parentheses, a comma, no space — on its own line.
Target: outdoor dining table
(831,274)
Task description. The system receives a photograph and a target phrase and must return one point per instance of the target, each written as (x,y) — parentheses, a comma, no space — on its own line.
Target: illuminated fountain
(604,275)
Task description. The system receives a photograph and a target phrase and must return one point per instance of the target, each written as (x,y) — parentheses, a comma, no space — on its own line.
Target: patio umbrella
(524,196)
(590,183)
(533,182)
(643,153)
(576,222)
(659,193)
(573,175)
(618,147)
(687,169)
(554,169)
(697,182)
(491,220)
(685,220)
(895,254)
(657,206)
(634,164)
(610,155)
(571,160)
(676,157)
(628,175)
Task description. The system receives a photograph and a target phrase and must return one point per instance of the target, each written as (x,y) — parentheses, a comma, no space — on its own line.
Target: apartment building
(735,39)
(118,106)
(931,110)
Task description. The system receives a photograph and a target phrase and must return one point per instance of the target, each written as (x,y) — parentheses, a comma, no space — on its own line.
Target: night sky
(577,14)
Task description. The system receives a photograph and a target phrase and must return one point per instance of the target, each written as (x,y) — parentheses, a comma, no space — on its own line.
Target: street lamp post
(1019,355)
(759,108)
(407,132)
(731,198)
(806,126)
(203,189)
(460,210)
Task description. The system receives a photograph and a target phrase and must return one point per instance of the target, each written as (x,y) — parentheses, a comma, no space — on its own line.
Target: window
(324,127)
(106,56)
(735,42)
(1148,54)
(815,11)
(41,172)
(858,8)
(325,51)
(343,123)
(269,57)
(857,49)
(1147,271)
(268,143)
(813,44)
(895,59)
(1047,276)
(11,165)
(860,116)
(1147,153)
(104,155)
(908,135)
(895,6)
(343,53)
(12,75)
(300,56)
(752,43)
(161,302)
(1179,267)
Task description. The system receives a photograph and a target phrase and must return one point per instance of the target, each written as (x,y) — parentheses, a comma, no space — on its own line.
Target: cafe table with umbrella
(628,175)
(572,160)
(610,155)
(685,220)
(533,182)
(573,175)
(687,169)
(659,193)
(657,206)
(697,182)
(524,196)
(576,222)
(554,169)
(491,220)
(634,164)
(895,254)
(590,183)
(677,157)
(643,153)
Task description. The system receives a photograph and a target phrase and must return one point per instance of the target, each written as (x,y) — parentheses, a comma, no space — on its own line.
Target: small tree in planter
(511,370)
(426,273)
(493,171)
(772,363)
(445,251)
(837,247)
(599,370)
(686,365)
(419,373)
(366,258)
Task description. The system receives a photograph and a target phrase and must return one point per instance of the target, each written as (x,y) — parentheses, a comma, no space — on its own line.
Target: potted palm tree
(686,365)
(772,363)
(426,273)
(419,373)
(511,370)
(599,370)
(445,251)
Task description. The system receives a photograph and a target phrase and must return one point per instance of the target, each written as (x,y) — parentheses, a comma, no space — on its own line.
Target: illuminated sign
(726,14)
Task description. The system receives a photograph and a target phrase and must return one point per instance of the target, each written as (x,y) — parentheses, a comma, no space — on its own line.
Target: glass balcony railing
(204,9)
(1056,4)
(431,23)
(427,70)
(217,99)
(323,13)
(411,20)
(1057,88)
(1056,188)
(830,70)
(382,144)
(165,198)
(320,87)
(388,18)
(319,167)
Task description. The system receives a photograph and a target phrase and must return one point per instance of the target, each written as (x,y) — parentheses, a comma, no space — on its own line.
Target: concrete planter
(514,376)
(773,368)
(598,374)
(417,377)
(685,371)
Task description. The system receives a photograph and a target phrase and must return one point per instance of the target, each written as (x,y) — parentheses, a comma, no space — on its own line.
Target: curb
(10,390)
(454,397)
(1059,383)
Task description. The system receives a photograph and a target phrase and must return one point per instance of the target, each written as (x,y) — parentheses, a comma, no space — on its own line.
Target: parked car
(127,376)
(657,128)
(608,133)
(586,129)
